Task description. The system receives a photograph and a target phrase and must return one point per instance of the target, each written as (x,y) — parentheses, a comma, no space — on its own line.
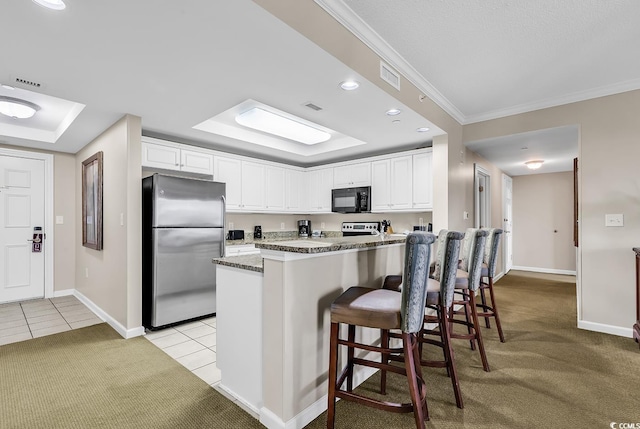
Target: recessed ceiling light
(349,85)
(272,123)
(16,108)
(51,4)
(534,165)
(393,112)
(395,121)
(422,129)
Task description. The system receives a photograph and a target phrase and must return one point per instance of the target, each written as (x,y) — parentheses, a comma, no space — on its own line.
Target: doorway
(482,197)
(26,189)
(507,222)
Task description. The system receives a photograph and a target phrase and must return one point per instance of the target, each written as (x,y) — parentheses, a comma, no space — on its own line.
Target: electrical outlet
(86,272)
(59,220)
(230,225)
(121,219)
(282,226)
(420,221)
(465,215)
(613,220)
(321,225)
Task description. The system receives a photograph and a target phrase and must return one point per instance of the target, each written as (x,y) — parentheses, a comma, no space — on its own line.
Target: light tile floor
(35,318)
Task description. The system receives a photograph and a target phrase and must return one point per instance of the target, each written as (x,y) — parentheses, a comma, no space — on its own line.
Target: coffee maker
(257,232)
(304,228)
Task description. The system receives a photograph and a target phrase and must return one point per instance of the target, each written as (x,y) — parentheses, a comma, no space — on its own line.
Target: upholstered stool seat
(374,308)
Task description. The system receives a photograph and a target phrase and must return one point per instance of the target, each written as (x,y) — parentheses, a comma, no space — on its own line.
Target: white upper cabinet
(392,186)
(294,185)
(174,156)
(352,175)
(319,185)
(253,186)
(274,188)
(229,171)
(423,181)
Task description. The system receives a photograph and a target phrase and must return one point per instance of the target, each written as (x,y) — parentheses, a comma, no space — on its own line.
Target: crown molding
(603,91)
(352,22)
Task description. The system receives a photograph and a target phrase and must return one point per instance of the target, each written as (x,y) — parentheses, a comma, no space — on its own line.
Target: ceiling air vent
(28,82)
(389,75)
(313,106)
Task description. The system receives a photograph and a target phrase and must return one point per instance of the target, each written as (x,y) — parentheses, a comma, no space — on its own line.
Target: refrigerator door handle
(224,222)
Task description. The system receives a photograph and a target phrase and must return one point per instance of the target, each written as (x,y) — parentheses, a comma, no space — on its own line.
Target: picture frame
(92,201)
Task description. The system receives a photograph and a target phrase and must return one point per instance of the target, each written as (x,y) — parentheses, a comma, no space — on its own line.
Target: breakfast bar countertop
(251,262)
(331,244)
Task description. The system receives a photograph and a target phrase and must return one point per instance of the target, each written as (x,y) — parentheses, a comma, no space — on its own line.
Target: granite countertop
(245,262)
(331,244)
(253,262)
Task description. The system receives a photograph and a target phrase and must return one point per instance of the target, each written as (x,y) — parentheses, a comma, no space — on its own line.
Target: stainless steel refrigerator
(183,229)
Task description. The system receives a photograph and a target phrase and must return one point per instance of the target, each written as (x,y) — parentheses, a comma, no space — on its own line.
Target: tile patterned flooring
(35,318)
(193,344)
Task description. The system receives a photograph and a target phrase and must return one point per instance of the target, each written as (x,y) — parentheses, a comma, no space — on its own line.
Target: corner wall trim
(124,332)
(605,329)
(544,270)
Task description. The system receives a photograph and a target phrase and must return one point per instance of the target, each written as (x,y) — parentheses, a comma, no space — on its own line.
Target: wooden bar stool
(384,309)
(488,272)
(439,298)
(467,284)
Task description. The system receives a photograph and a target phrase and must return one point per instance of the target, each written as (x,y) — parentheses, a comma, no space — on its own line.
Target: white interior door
(507,221)
(22,207)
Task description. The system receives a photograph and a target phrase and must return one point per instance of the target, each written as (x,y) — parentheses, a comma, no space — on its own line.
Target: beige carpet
(548,374)
(92,378)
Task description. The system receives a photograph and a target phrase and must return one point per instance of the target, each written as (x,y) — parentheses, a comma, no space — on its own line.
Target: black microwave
(351,200)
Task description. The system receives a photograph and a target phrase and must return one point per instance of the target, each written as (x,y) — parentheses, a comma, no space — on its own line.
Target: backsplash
(284,224)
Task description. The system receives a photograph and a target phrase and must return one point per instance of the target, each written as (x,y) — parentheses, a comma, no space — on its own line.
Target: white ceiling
(186,62)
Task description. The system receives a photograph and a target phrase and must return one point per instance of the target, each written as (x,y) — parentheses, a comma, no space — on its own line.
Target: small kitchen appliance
(235,234)
(304,228)
(350,229)
(257,232)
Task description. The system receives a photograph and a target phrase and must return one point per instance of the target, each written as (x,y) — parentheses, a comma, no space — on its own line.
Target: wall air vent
(313,106)
(28,82)
(389,75)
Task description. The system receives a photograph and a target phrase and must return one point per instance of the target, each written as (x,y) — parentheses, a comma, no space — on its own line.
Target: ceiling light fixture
(17,108)
(51,4)
(393,112)
(534,165)
(422,129)
(349,85)
(272,123)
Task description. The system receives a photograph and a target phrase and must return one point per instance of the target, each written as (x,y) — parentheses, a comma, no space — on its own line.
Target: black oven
(351,200)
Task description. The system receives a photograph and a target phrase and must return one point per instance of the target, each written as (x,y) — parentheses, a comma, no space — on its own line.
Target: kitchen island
(273,325)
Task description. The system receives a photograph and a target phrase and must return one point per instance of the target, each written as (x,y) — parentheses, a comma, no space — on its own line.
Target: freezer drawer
(184,279)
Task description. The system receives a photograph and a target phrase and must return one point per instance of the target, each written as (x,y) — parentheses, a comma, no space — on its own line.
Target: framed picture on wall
(92,202)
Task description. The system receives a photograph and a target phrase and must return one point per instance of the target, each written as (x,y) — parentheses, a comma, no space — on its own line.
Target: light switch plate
(613,220)
(59,220)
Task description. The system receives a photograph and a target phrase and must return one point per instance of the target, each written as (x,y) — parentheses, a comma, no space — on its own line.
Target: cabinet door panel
(401,183)
(159,156)
(253,189)
(196,162)
(228,170)
(274,181)
(380,185)
(423,181)
(293,190)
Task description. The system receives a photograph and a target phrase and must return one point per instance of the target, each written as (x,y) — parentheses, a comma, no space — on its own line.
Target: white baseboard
(544,270)
(306,416)
(498,276)
(124,332)
(238,398)
(606,329)
(66,292)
